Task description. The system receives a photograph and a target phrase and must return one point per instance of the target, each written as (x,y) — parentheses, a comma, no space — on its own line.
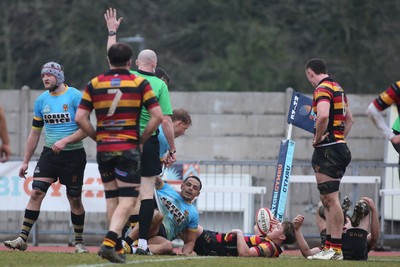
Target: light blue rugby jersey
(164,146)
(179,215)
(58,114)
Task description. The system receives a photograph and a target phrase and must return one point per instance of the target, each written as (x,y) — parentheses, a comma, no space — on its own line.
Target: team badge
(65,107)
(116,82)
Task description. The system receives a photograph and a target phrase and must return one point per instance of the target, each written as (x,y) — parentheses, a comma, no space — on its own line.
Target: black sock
(128,240)
(134,219)
(78,221)
(30,218)
(110,240)
(118,245)
(145,217)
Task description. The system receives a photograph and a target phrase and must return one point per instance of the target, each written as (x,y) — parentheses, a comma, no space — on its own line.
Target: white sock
(142,244)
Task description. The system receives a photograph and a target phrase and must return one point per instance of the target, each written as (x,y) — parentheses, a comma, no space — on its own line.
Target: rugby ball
(263,220)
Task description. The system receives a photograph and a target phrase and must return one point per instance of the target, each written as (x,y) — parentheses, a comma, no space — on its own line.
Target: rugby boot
(17,243)
(140,251)
(360,211)
(80,248)
(127,248)
(325,254)
(111,255)
(345,207)
(337,256)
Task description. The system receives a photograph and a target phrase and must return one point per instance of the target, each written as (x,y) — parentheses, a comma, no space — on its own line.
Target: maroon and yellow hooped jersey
(330,91)
(118,98)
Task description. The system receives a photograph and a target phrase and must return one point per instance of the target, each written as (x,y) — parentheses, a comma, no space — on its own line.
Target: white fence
(222,195)
(355,181)
(232,192)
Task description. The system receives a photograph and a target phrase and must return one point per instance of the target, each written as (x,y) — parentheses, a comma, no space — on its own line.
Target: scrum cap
(54,69)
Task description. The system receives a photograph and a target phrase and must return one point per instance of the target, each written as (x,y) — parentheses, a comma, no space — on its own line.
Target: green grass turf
(33,258)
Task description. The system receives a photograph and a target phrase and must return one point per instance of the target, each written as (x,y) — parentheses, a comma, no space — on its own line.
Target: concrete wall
(226,126)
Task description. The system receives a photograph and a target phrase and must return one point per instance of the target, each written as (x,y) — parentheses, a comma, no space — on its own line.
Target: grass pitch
(39,258)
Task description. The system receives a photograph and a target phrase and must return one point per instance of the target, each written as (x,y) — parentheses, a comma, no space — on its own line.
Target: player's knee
(128,192)
(328,187)
(74,192)
(147,188)
(40,186)
(111,193)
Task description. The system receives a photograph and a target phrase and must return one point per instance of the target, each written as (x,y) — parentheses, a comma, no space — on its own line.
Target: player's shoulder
(73,93)
(395,88)
(195,212)
(43,96)
(73,90)
(397,83)
(138,78)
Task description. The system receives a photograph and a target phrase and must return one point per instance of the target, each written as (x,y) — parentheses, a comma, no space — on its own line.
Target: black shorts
(68,166)
(207,244)
(331,160)
(162,232)
(121,165)
(354,244)
(151,164)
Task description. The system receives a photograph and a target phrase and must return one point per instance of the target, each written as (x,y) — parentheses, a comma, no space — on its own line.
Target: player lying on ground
(356,241)
(178,215)
(236,243)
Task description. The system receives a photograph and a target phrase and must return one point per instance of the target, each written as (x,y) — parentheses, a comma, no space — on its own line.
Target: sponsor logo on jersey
(178,216)
(57,118)
(116,82)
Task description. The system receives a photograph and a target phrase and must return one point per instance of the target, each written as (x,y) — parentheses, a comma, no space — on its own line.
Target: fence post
(24,118)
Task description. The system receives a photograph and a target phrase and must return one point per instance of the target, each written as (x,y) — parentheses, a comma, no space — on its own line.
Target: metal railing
(303,199)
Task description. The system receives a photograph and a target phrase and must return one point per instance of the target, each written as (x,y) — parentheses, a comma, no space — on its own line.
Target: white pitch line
(387,259)
(143,261)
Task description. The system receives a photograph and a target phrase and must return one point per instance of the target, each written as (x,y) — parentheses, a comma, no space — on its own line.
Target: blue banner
(300,112)
(282,175)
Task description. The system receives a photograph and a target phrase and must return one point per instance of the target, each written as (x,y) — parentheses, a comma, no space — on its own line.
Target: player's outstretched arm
(189,242)
(301,242)
(373,237)
(112,25)
(376,117)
